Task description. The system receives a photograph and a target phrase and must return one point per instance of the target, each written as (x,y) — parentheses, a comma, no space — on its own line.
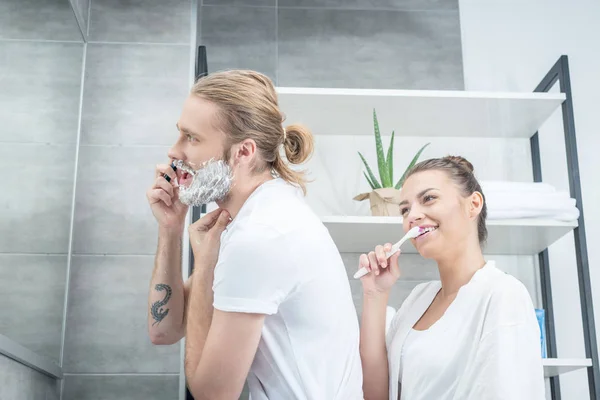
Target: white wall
(510,45)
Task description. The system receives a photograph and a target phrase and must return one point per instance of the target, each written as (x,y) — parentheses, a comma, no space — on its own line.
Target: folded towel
(520,187)
(557,201)
(521,200)
(564,216)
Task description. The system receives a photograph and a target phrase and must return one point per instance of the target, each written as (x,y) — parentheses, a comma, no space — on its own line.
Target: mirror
(41,53)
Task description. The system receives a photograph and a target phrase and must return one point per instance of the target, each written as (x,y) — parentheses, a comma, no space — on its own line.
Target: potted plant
(385,195)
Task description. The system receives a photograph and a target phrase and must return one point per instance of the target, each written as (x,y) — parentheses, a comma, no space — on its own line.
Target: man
(269,300)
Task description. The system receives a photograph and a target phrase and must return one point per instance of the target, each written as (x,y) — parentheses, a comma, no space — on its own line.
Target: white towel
(557,201)
(519,200)
(512,187)
(565,216)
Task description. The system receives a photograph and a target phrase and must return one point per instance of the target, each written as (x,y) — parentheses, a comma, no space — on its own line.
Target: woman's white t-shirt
(485,346)
(277,258)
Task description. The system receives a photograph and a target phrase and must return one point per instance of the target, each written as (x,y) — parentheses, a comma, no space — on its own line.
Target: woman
(471,335)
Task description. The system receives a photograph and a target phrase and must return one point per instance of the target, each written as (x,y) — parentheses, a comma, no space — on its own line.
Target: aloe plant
(386,164)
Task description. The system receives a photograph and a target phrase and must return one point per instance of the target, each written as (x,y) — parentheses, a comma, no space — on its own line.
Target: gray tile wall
(135,80)
(392,44)
(139,387)
(19,382)
(41,54)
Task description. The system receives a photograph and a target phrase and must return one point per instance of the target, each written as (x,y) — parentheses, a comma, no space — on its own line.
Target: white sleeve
(253,275)
(507,363)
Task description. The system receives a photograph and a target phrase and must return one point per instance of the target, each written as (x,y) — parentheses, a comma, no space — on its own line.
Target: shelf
(557,366)
(418,112)
(361,234)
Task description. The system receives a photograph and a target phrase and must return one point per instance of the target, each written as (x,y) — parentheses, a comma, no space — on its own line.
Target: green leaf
(374,181)
(383,169)
(412,164)
(390,159)
(369,180)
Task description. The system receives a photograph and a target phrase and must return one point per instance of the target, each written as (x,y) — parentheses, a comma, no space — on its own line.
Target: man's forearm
(200,306)
(166,296)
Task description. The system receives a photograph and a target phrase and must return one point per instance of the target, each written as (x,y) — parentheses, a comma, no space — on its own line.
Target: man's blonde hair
(249,109)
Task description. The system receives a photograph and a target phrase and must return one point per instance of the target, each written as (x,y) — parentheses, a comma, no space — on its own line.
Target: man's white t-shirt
(277,258)
(485,346)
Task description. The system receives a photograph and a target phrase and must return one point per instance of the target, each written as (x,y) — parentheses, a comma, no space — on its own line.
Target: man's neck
(241,191)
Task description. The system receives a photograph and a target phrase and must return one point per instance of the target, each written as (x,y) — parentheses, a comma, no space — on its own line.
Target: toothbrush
(413,233)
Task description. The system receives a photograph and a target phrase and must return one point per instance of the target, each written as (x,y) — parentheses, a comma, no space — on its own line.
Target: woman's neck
(458,268)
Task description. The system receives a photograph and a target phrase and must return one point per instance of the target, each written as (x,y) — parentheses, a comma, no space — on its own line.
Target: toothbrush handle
(363,271)
(394,249)
(360,273)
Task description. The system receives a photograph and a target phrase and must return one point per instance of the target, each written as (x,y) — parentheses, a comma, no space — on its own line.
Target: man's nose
(176,152)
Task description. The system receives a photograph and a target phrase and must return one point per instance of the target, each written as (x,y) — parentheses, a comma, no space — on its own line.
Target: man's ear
(245,151)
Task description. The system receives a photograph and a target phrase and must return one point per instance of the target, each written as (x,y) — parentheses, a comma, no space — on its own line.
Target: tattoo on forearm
(158,312)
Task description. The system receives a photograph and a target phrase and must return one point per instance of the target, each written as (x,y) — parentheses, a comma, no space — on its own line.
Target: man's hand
(163,197)
(205,236)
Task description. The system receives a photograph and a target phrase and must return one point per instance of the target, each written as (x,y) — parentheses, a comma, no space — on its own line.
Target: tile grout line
(139,43)
(96,42)
(387,9)
(42,40)
(78,254)
(85,145)
(77,19)
(33,254)
(87,33)
(121,374)
(276,42)
(113,255)
(194,38)
(70,249)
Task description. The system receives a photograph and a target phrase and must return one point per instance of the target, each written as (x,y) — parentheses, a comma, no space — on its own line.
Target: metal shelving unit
(560,72)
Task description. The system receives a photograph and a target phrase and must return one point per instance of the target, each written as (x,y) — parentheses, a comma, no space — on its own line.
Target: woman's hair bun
(461,161)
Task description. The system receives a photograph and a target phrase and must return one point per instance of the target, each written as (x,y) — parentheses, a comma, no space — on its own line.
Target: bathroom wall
(19,382)
(137,74)
(41,52)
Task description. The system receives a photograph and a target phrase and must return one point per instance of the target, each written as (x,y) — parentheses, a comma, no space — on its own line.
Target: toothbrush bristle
(416,231)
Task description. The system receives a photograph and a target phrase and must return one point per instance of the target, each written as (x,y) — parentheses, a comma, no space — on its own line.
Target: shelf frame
(566,364)
(560,73)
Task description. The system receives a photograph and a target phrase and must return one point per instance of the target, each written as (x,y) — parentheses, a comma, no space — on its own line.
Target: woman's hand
(383,272)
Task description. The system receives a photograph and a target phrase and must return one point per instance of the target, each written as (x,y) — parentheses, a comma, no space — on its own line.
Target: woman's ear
(475,204)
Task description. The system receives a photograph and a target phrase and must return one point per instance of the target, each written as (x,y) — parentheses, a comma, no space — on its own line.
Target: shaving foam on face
(182,166)
(211,182)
